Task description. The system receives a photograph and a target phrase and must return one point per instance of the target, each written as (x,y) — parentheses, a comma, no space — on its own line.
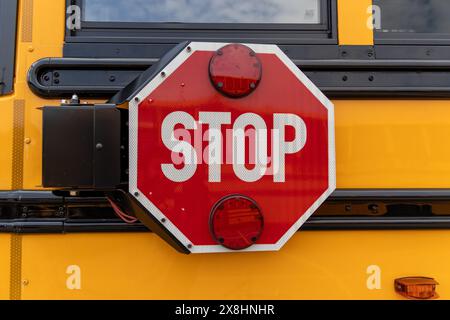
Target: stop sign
(231,147)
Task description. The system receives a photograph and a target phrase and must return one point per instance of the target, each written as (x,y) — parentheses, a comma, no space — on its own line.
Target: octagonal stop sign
(231,147)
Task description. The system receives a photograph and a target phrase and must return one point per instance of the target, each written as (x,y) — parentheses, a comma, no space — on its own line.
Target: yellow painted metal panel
(4,266)
(393,143)
(352,22)
(6,141)
(313,265)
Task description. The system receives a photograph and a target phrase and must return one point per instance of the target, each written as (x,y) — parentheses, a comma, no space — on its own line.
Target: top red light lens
(236,222)
(235,70)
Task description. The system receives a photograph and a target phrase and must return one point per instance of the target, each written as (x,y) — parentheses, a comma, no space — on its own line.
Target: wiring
(122,215)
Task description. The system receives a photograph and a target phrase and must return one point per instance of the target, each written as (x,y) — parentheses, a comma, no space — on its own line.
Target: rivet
(136,194)
(136,99)
(189,246)
(27,140)
(163,220)
(99,146)
(163,74)
(25,282)
(189,49)
(30,49)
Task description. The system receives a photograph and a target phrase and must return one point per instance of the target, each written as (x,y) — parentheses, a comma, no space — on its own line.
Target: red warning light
(235,70)
(236,222)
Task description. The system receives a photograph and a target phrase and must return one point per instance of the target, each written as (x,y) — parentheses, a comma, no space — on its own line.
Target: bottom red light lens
(236,222)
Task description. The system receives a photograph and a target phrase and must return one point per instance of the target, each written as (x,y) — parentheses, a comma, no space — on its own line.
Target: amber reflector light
(236,222)
(416,287)
(235,70)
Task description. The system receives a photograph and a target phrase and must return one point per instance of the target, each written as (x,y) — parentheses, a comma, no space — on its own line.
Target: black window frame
(410,38)
(8,29)
(164,33)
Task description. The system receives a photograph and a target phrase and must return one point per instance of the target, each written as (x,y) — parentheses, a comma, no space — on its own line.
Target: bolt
(99,146)
(371,78)
(374,208)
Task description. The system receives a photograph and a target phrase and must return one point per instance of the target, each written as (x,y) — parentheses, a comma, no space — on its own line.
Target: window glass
(203,11)
(413,16)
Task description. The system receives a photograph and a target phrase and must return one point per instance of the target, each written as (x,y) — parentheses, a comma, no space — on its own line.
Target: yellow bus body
(383,143)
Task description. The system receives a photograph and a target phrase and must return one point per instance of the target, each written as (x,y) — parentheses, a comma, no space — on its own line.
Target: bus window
(8,16)
(200,11)
(170,21)
(412,21)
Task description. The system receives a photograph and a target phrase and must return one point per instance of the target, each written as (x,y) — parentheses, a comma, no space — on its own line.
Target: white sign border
(133,136)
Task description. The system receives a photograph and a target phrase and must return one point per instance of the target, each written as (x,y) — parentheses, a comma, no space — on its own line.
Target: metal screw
(374,208)
(75,99)
(99,146)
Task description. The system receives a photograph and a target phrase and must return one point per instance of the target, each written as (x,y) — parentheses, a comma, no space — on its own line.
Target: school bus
(381,235)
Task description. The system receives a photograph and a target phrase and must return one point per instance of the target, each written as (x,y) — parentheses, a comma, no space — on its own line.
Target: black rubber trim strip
(8,26)
(65,225)
(313,224)
(336,77)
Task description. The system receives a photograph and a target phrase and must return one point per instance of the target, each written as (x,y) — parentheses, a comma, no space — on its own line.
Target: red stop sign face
(191,146)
